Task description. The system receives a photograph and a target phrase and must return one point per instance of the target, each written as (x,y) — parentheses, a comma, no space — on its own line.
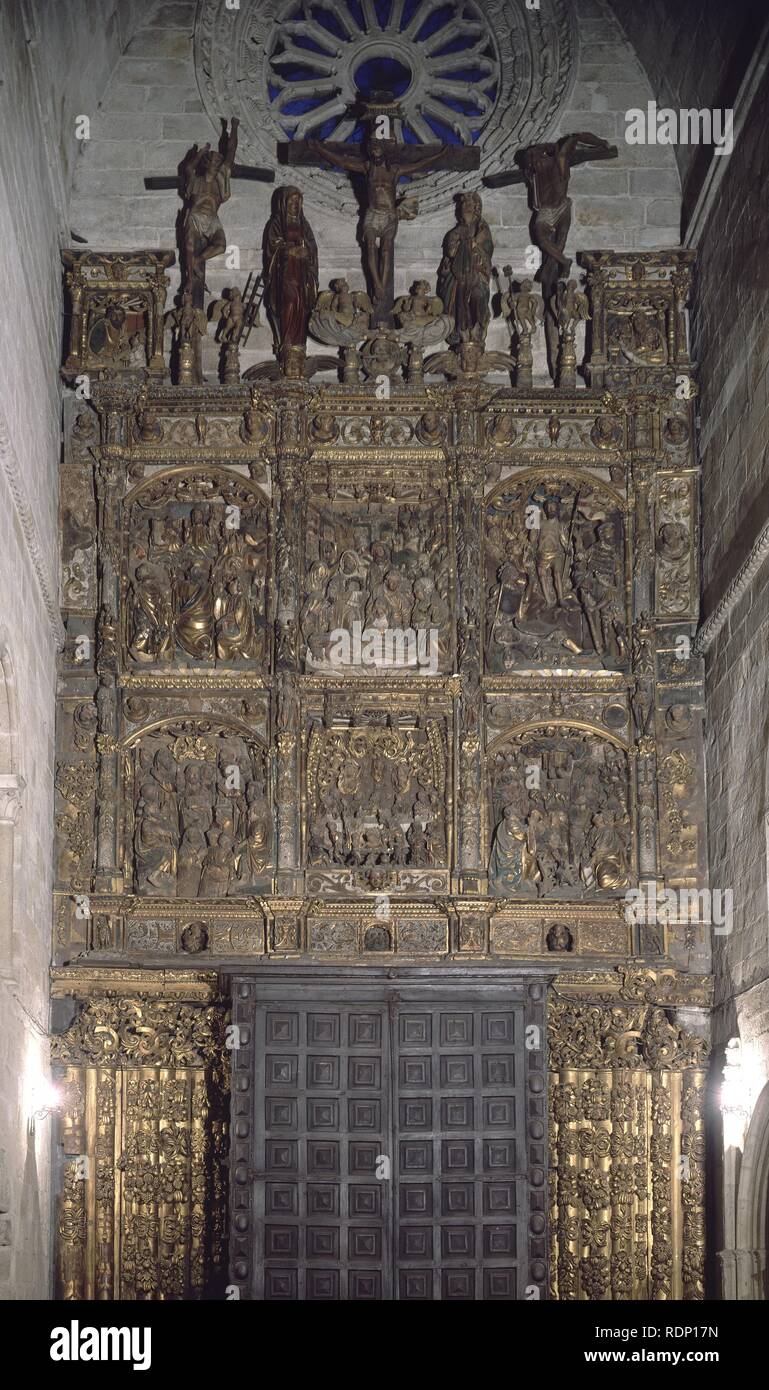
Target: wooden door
(386,1143)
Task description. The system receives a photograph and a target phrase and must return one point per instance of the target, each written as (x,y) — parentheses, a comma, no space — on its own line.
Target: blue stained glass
(357,14)
(441,131)
(328,21)
(463,105)
(382,74)
(294,72)
(326,130)
(385,72)
(300,106)
(409,10)
(464,75)
(457,45)
(300,41)
(434,22)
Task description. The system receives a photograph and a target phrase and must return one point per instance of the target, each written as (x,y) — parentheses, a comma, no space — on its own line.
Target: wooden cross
(379,163)
(203,183)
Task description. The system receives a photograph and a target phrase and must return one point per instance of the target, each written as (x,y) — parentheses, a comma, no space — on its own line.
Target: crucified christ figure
(381,163)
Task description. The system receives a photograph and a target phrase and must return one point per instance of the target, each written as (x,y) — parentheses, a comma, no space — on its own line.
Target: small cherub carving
(341,315)
(572,306)
(228,314)
(418,307)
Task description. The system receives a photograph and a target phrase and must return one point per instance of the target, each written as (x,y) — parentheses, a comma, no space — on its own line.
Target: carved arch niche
(557,573)
(561,812)
(196,572)
(196,810)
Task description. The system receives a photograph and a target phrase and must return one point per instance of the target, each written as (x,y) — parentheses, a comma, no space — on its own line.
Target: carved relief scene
(555,576)
(198,821)
(378,571)
(196,570)
(561,814)
(377,803)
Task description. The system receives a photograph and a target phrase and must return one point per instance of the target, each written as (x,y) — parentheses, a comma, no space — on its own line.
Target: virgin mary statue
(290,262)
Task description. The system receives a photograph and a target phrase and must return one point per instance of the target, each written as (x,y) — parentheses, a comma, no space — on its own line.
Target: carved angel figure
(341,315)
(572,305)
(228,314)
(420,315)
(526,308)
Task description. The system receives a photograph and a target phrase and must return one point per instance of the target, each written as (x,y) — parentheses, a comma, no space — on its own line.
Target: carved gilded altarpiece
(240,792)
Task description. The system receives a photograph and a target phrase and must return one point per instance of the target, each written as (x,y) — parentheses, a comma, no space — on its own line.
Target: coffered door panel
(460,1151)
(322,1216)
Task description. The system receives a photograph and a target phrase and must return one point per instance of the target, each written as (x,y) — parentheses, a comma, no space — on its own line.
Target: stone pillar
(291,457)
(11,787)
(468,497)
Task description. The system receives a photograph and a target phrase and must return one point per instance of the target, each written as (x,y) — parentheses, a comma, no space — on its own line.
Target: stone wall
(731,345)
(152,112)
(686,50)
(44,46)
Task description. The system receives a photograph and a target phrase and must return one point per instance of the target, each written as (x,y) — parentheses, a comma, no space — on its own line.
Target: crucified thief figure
(545,169)
(205,178)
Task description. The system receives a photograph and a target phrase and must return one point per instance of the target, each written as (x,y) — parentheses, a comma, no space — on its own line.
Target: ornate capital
(141,1032)
(593,1035)
(11,787)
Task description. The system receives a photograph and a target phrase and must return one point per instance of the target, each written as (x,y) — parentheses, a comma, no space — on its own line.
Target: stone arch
(558,472)
(529,725)
(752,1225)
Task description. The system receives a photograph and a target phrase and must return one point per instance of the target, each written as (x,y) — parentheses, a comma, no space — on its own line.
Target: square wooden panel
(280,1112)
(364,1030)
(282,1028)
(323,1073)
(323,1114)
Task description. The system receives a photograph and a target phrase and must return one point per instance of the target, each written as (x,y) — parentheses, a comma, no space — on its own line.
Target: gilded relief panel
(378,566)
(378,799)
(556,571)
(197,820)
(561,813)
(195,577)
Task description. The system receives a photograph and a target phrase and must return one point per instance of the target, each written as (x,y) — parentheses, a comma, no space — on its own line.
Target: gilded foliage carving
(125,1032)
(625,1098)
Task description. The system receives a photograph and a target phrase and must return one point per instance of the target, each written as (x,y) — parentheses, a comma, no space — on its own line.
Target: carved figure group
(202,824)
(385,569)
(198,586)
(376,799)
(562,825)
(555,571)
